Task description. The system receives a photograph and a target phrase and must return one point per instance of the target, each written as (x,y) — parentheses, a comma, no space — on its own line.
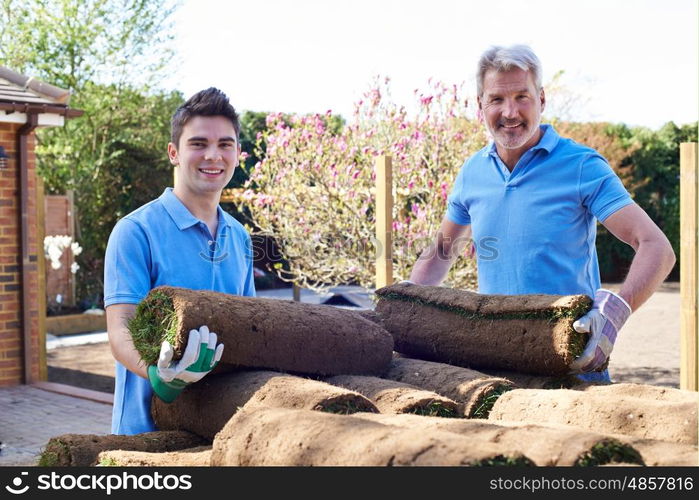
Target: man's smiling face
(207,155)
(512,106)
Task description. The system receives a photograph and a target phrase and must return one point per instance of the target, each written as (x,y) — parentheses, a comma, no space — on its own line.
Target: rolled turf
(476,391)
(544,445)
(82,450)
(390,396)
(205,407)
(522,333)
(199,456)
(641,391)
(643,418)
(663,453)
(263,333)
(529,381)
(264,436)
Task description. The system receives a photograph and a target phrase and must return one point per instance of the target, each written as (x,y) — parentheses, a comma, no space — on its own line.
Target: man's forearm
(127,355)
(432,267)
(650,266)
(123,350)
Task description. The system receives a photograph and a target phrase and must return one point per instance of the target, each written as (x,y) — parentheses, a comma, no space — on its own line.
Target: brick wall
(11,342)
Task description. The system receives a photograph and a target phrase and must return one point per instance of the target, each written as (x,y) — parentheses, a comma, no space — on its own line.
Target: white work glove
(608,314)
(200,356)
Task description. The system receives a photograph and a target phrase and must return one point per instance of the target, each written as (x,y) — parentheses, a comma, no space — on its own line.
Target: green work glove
(200,356)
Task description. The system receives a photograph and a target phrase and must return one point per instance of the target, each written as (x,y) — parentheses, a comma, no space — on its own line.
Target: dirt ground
(647,350)
(90,366)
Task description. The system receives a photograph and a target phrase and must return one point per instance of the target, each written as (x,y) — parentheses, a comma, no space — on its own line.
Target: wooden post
(689,266)
(384,221)
(71,224)
(41,275)
(296,293)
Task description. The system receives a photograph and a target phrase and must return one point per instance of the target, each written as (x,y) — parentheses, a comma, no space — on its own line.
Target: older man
(530,201)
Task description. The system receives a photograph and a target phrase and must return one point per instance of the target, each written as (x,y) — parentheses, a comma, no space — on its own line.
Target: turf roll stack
(263,333)
(199,456)
(265,436)
(522,333)
(82,450)
(476,392)
(602,409)
(391,397)
(205,407)
(544,445)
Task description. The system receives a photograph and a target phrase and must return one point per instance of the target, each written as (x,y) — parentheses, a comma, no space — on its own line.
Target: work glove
(200,356)
(608,314)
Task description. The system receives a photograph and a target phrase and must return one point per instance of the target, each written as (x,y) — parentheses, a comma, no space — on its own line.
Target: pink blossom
(444,188)
(264,199)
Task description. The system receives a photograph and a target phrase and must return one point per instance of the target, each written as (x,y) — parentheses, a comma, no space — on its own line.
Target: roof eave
(57,94)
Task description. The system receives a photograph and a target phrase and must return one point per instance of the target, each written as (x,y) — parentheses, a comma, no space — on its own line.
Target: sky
(624,61)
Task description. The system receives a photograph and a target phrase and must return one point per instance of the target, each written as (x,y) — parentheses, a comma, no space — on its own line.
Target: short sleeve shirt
(162,243)
(535,228)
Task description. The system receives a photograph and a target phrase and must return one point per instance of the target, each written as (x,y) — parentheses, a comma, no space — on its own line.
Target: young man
(530,201)
(183,238)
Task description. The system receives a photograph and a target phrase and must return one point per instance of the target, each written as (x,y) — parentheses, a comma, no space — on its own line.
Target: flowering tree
(314,190)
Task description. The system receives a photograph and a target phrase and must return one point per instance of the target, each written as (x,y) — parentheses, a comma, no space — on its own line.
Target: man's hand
(200,357)
(608,314)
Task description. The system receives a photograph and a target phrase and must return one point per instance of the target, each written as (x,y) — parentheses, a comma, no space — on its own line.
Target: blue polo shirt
(535,228)
(162,243)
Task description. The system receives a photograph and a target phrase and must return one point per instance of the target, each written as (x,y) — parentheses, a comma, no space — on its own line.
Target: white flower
(76,248)
(54,246)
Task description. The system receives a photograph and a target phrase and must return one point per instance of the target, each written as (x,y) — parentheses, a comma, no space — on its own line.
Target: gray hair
(507,58)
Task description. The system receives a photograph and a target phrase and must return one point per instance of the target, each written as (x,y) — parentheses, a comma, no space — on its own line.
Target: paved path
(29,417)
(647,350)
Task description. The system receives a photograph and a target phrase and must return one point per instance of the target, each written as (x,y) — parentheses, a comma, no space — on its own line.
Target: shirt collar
(549,140)
(181,215)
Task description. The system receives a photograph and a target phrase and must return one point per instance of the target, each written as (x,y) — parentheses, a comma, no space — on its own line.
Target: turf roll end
(485,404)
(155,321)
(609,452)
(507,461)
